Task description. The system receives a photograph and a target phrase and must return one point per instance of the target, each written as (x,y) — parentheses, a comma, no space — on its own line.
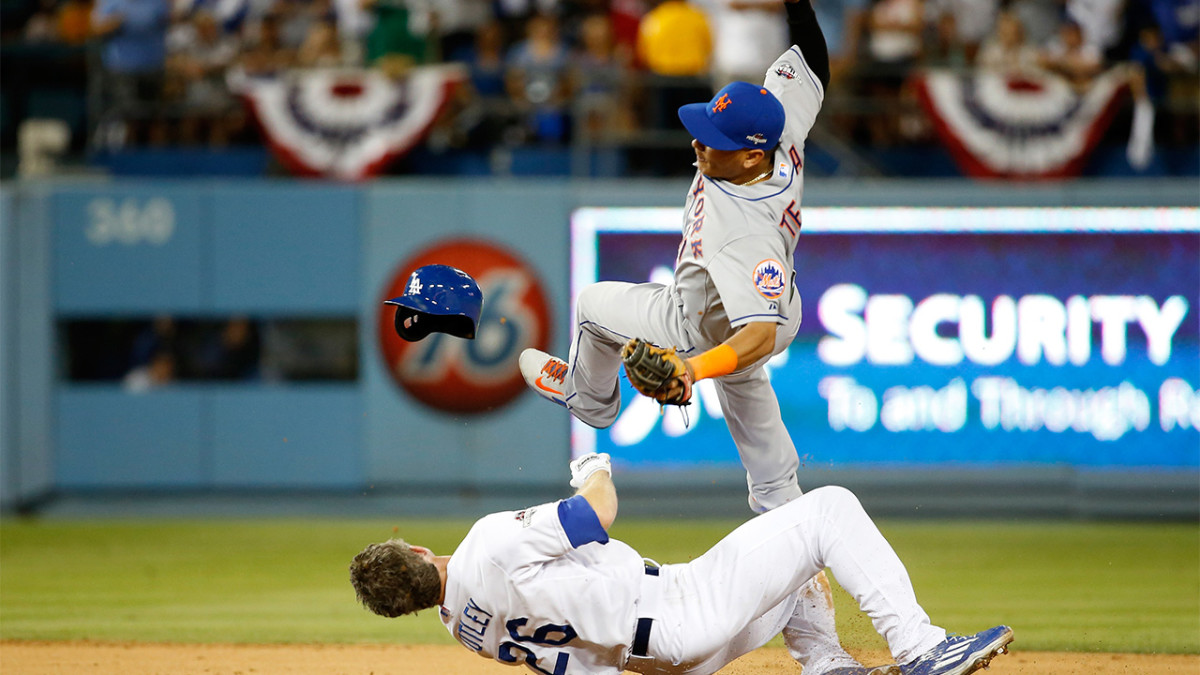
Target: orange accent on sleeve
(718,361)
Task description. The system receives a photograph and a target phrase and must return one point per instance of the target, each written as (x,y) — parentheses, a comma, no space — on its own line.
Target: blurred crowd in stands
(545,71)
(147,353)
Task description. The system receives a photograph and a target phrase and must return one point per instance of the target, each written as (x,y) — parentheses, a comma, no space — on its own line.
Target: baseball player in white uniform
(547,588)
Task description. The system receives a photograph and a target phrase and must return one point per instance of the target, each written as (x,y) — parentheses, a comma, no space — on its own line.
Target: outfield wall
(451,418)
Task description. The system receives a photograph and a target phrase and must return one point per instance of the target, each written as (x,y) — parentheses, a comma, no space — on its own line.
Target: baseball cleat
(862,670)
(545,374)
(961,654)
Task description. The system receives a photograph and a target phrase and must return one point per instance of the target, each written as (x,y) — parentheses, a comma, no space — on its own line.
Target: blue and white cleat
(961,654)
(545,374)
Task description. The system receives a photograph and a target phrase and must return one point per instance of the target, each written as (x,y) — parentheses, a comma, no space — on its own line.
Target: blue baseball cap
(741,115)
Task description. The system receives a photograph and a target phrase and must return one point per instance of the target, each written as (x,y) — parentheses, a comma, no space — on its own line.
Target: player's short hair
(391,580)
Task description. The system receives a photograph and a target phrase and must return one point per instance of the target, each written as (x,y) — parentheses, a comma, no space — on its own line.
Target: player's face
(723,164)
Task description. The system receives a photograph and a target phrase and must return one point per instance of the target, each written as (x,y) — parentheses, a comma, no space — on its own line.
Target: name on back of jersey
(472,625)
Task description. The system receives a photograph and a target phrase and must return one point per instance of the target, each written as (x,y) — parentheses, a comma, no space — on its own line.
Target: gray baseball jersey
(734,267)
(735,262)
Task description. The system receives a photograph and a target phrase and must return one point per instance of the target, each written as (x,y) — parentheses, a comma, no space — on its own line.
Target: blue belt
(641,636)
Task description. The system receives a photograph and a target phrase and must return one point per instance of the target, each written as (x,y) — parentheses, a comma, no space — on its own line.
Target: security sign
(471,376)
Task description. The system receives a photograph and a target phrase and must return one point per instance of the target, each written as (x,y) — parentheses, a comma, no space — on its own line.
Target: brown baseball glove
(656,372)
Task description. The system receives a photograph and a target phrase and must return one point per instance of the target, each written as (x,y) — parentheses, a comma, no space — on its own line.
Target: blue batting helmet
(438,298)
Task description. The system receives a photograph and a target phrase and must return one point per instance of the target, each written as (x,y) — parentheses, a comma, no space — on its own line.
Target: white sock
(811,633)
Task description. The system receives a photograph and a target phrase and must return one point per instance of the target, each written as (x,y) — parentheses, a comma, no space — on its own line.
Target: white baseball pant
(744,590)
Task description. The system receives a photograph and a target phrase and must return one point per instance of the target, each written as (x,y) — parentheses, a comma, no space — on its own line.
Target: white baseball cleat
(545,374)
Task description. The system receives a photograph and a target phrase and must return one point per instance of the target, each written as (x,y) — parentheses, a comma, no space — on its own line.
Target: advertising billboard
(948,337)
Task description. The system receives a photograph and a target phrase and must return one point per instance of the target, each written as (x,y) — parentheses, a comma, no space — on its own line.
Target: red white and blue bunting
(1019,126)
(347,124)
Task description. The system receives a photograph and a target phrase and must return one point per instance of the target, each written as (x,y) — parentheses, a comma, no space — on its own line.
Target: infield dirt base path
(62,658)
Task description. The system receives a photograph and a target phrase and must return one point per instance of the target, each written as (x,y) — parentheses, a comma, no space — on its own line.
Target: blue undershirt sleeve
(580,522)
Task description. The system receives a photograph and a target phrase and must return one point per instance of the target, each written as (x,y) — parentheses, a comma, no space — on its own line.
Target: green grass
(1062,586)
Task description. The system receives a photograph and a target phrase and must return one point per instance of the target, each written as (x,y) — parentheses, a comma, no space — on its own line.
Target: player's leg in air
(607,315)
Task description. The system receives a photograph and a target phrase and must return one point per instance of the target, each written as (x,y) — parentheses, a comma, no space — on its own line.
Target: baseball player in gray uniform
(547,588)
(733,302)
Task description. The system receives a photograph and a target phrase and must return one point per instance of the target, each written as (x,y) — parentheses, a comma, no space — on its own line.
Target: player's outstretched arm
(592,475)
(806,34)
(752,342)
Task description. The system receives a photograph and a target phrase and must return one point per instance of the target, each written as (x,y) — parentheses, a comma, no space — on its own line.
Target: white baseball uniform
(546,587)
(735,266)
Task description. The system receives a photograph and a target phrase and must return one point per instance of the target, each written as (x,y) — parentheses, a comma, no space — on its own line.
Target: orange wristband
(718,361)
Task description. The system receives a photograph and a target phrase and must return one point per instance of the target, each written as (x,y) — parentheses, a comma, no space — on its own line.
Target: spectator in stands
(231,352)
(1040,19)
(1152,66)
(391,38)
(263,51)
(894,47)
(298,17)
(486,61)
(160,335)
(895,28)
(961,26)
(537,79)
(603,86)
(199,55)
(354,21)
(133,57)
(159,371)
(321,49)
(514,15)
(1178,23)
(154,355)
(625,17)
(481,112)
(748,35)
(74,19)
(454,24)
(1068,55)
(1154,62)
(843,22)
(1006,50)
(1100,23)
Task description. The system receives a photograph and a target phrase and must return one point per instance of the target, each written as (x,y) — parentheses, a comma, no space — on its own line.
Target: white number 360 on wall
(129,222)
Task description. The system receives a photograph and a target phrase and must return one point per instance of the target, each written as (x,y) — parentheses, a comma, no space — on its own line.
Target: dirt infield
(61,658)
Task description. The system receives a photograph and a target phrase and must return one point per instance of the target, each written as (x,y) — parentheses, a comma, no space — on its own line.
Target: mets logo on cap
(770,279)
(741,115)
(459,375)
